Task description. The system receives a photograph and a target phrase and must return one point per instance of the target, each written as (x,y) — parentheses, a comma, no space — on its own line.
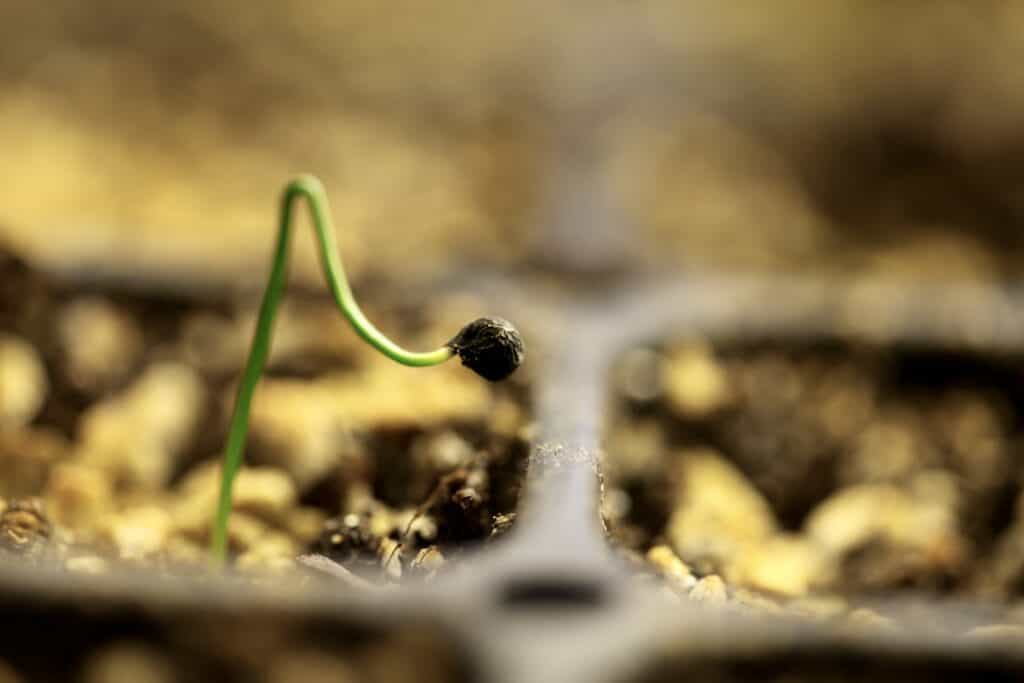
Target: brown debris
(349,542)
(24,527)
(502,524)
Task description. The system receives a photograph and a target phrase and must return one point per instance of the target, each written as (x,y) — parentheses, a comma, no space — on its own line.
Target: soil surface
(819,476)
(114,409)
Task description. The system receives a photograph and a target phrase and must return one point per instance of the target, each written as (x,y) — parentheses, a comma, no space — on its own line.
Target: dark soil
(804,423)
(396,487)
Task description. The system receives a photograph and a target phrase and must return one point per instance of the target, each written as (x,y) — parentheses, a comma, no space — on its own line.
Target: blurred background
(847,136)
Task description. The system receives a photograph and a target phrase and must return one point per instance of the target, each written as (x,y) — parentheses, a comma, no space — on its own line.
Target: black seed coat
(491,347)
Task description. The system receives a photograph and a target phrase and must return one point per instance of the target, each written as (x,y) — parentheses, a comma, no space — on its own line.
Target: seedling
(491,347)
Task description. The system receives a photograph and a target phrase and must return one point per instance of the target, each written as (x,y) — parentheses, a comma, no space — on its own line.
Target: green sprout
(489,346)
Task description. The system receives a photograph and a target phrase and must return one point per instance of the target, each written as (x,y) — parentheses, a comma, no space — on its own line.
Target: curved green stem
(310,188)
